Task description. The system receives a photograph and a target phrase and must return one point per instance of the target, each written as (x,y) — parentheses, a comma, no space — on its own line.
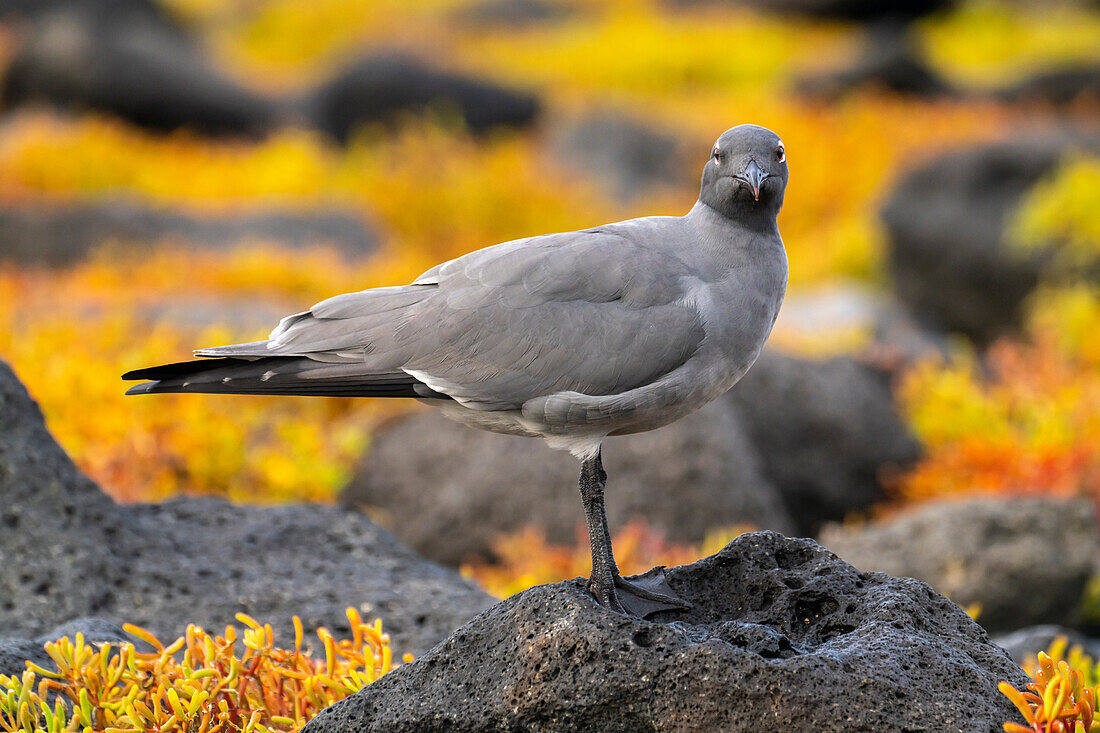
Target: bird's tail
(277,375)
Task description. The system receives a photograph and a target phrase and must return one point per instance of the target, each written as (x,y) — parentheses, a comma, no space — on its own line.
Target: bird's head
(746,174)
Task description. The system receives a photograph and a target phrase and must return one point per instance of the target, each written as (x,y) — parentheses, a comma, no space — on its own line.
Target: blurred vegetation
(1025,419)
(525,559)
(200,683)
(1060,216)
(985,41)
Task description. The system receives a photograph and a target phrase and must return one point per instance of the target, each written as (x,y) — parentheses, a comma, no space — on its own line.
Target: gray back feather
(597,312)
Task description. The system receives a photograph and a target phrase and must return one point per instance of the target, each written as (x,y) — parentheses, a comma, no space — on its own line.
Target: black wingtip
(178,369)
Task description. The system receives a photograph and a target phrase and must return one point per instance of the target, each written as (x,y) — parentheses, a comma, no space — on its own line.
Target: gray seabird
(568,337)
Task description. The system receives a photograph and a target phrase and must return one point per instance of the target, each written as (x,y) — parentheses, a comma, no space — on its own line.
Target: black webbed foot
(640,595)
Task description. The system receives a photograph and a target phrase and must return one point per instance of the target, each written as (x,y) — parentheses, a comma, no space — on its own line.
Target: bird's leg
(650,592)
(601,583)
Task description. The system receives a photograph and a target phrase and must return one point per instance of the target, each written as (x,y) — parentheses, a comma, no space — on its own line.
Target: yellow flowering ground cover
(200,683)
(1029,424)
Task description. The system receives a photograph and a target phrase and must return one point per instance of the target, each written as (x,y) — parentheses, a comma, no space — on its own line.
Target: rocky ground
(1022,562)
(780,630)
(69,551)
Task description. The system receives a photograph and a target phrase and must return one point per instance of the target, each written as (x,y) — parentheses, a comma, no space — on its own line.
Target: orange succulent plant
(1061,698)
(200,683)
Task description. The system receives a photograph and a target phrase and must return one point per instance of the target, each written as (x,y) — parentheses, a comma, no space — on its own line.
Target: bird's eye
(716,153)
(781,154)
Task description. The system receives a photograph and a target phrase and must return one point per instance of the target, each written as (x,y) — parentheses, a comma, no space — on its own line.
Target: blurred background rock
(178,173)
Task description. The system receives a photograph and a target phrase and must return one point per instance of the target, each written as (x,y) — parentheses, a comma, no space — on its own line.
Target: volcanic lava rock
(132,66)
(70,551)
(625,155)
(125,12)
(890,60)
(65,233)
(1024,561)
(378,88)
(825,431)
(15,653)
(1024,644)
(860,10)
(1058,87)
(781,634)
(511,13)
(948,248)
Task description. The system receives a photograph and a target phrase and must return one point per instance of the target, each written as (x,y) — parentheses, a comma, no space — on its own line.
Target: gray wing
(595,312)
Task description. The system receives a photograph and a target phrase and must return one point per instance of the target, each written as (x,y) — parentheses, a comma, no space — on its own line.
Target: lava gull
(567,337)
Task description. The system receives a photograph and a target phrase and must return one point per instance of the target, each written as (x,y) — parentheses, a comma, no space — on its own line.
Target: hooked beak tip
(754,177)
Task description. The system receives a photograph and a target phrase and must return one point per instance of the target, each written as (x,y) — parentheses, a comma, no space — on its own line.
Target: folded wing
(593,312)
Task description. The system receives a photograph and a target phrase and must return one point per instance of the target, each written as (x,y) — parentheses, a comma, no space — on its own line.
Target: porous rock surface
(793,445)
(69,551)
(782,635)
(1025,561)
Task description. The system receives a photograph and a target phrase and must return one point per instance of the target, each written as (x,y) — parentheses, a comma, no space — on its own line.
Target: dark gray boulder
(624,155)
(65,233)
(15,653)
(782,634)
(105,12)
(133,66)
(70,551)
(381,87)
(947,247)
(511,13)
(795,444)
(1024,644)
(825,431)
(858,10)
(891,60)
(1058,87)
(1025,561)
(450,490)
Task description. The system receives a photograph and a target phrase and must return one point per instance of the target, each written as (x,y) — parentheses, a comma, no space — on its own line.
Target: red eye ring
(716,153)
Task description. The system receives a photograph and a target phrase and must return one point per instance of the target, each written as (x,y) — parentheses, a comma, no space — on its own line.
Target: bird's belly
(507,422)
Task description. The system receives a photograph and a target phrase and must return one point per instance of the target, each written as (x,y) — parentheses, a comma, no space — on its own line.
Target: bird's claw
(605,595)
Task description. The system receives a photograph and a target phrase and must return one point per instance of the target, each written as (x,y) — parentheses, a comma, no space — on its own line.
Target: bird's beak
(753,176)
